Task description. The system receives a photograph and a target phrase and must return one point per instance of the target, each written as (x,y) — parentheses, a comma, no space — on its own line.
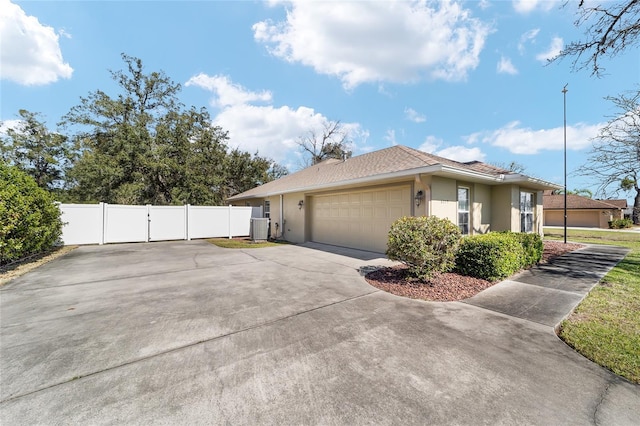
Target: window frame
(266,210)
(525,213)
(466,212)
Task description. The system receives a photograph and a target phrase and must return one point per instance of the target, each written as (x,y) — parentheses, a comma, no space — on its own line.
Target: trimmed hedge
(425,244)
(532,246)
(620,223)
(497,255)
(29,218)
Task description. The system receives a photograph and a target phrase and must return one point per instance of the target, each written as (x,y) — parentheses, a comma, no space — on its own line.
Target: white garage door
(359,219)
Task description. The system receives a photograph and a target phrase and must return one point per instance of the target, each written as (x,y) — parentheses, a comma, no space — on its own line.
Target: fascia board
(437,168)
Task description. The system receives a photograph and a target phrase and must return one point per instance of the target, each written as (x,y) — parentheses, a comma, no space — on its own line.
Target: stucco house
(581,211)
(353,202)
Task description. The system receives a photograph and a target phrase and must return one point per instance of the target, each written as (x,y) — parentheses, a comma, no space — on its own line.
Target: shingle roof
(552,202)
(333,172)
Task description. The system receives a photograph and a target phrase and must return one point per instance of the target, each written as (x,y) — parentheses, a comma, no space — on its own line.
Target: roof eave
(531,182)
(434,169)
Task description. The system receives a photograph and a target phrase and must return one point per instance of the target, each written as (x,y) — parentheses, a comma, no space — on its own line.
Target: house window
(267,209)
(463,210)
(526,212)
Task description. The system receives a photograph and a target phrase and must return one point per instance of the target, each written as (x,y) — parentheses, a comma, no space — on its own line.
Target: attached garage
(359,219)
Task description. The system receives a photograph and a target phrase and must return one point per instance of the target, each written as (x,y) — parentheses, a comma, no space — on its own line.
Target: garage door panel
(359,219)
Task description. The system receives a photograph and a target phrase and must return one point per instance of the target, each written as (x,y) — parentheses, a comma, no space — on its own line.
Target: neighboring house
(581,211)
(352,203)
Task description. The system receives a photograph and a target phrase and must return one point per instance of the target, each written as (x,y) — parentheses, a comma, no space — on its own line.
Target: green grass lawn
(237,243)
(606,326)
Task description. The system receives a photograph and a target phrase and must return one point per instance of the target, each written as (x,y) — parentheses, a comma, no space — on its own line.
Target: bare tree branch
(331,142)
(614,159)
(610,29)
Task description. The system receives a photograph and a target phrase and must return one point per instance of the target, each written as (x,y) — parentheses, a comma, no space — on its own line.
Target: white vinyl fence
(115,223)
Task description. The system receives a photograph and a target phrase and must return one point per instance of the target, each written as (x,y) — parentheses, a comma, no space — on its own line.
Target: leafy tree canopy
(143,146)
(32,148)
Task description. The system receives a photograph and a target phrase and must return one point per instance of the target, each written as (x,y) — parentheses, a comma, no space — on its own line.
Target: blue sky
(465,80)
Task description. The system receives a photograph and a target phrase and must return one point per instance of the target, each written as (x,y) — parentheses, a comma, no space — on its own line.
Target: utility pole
(564,95)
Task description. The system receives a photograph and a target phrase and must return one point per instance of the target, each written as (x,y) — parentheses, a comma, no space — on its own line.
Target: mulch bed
(446,287)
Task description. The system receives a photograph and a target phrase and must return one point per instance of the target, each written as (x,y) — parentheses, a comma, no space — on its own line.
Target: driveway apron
(189,333)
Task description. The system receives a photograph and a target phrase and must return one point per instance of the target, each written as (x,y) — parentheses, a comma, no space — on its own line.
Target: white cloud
(29,51)
(505,66)
(456,152)
(227,93)
(270,131)
(391,41)
(527,6)
(554,49)
(484,4)
(413,115)
(10,124)
(528,37)
(430,144)
(390,137)
(523,140)
(462,153)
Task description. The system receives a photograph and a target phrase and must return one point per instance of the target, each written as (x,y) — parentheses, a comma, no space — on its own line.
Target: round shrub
(490,256)
(425,244)
(29,218)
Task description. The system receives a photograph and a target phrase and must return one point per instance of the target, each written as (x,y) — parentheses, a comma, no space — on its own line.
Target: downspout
(282,216)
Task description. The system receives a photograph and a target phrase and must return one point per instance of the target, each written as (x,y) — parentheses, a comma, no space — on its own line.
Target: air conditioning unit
(259,229)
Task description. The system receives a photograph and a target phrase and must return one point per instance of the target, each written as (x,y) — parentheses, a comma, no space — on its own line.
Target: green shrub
(29,218)
(425,244)
(490,256)
(532,246)
(620,223)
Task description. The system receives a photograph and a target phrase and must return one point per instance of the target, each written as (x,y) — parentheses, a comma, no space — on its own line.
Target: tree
(614,159)
(583,192)
(29,218)
(144,147)
(331,142)
(512,166)
(40,153)
(611,27)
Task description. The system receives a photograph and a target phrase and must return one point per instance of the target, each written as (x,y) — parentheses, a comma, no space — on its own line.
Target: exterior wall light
(418,198)
(300,204)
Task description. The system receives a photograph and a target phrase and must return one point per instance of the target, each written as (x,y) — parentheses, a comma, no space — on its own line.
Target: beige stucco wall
(444,195)
(505,208)
(481,210)
(294,217)
(539,214)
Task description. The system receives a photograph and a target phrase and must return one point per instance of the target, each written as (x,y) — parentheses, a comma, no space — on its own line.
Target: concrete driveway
(189,333)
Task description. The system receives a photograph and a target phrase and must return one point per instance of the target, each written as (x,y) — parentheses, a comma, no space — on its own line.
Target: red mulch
(449,286)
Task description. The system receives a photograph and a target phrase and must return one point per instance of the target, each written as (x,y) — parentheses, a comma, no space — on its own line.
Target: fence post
(186,223)
(103,213)
(148,222)
(229,213)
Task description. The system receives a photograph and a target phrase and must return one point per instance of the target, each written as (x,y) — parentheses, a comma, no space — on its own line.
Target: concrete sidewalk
(547,293)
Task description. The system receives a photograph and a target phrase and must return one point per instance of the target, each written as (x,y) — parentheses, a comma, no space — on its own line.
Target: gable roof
(554,202)
(389,163)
